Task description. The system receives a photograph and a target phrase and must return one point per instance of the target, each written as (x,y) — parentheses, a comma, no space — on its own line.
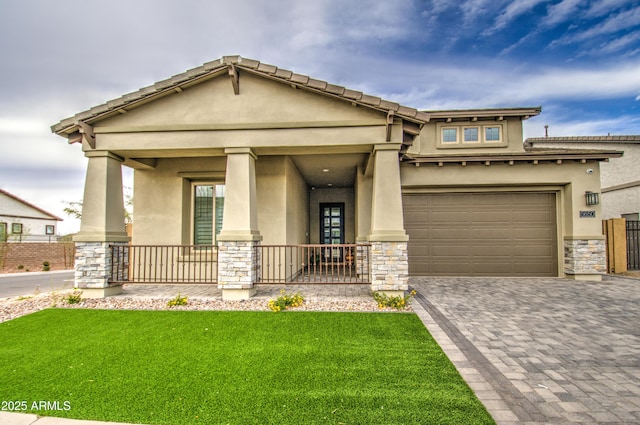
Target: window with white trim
(459,135)
(208,208)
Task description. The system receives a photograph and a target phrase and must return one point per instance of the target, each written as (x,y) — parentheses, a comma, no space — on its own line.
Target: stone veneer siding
(238,264)
(389,266)
(93,264)
(585,256)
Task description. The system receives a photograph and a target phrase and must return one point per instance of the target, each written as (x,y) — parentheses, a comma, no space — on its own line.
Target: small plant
(20,267)
(46,266)
(177,301)
(399,303)
(74,298)
(285,301)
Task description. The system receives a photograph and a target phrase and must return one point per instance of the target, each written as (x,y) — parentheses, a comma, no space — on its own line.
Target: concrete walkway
(540,351)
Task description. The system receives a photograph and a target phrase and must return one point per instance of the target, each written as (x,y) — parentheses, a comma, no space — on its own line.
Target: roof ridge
(250,65)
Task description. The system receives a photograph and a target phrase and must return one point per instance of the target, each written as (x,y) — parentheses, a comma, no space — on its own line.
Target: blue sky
(579,60)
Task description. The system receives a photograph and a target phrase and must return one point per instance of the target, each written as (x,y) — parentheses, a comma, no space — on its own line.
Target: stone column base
(389,267)
(93,270)
(238,269)
(585,259)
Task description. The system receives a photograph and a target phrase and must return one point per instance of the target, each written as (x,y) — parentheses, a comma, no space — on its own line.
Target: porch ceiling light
(592,198)
(325,170)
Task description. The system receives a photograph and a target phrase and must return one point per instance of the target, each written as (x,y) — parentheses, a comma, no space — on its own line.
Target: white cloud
(512,11)
(606,7)
(560,12)
(614,23)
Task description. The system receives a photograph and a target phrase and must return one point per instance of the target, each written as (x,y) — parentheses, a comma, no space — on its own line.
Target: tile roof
(219,66)
(587,139)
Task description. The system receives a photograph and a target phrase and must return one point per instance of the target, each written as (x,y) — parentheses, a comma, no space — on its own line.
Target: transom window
(479,134)
(208,208)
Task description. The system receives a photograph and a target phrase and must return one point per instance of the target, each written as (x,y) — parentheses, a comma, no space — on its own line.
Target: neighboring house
(620,178)
(21,221)
(248,158)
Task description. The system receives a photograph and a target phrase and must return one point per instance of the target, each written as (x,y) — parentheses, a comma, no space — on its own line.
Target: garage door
(481,234)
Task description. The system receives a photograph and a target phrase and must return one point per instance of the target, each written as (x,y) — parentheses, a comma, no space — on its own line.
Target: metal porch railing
(164,264)
(313,263)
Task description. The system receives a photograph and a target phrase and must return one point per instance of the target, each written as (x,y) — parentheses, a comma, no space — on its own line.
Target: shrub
(177,301)
(46,266)
(285,301)
(399,303)
(74,298)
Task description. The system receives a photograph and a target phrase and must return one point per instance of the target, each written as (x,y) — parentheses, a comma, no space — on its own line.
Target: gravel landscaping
(11,308)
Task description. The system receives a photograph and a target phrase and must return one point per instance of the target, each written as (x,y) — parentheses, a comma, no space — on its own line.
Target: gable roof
(30,205)
(231,65)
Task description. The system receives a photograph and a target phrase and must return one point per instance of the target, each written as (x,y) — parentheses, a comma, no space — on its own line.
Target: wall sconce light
(592,198)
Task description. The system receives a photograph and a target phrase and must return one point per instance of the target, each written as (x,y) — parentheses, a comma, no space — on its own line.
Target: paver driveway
(540,350)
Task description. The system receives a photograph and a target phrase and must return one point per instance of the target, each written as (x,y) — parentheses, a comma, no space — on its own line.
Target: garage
(482,234)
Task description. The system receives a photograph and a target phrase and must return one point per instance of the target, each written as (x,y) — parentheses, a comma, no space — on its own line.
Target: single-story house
(21,221)
(620,179)
(247,173)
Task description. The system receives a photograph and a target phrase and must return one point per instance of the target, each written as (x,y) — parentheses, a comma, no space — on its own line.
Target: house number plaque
(587,214)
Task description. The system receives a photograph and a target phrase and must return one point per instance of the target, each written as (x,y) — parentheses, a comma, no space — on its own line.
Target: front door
(332,229)
(332,223)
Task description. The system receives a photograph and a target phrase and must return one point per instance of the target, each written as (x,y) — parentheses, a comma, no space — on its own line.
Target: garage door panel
(491,234)
(534,233)
(496,217)
(532,217)
(448,216)
(449,234)
(482,234)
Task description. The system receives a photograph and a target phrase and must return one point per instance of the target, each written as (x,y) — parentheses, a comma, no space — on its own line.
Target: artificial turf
(213,367)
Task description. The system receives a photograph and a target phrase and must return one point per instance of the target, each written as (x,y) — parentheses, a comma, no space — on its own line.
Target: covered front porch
(273,219)
(253,174)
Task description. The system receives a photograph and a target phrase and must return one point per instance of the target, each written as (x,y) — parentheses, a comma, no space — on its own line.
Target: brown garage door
(481,234)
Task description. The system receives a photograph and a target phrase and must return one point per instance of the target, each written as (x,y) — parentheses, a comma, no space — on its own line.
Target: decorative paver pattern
(551,350)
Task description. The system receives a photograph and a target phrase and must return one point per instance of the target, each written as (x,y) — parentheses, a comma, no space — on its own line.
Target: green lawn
(210,367)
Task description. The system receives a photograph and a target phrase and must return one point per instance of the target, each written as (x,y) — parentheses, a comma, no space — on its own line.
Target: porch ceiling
(341,169)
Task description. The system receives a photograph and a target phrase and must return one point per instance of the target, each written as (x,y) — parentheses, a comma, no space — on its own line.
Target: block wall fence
(17,257)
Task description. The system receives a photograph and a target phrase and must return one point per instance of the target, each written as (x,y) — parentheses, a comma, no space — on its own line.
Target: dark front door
(332,223)
(332,230)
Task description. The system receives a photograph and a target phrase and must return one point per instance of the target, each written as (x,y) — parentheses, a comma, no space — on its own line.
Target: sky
(578,59)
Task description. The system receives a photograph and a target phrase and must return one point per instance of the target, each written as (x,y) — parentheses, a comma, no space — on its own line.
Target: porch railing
(164,264)
(310,263)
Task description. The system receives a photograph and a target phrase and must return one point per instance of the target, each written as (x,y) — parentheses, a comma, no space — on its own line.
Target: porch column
(238,265)
(102,224)
(389,261)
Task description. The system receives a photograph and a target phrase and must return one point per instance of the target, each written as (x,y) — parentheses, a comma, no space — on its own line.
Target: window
(492,134)
(460,135)
(49,230)
(208,207)
(449,135)
(16,228)
(3,232)
(471,135)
